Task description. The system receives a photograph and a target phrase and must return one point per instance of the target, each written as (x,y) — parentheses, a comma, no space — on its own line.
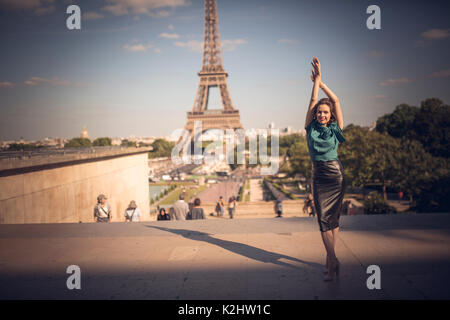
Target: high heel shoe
(335,267)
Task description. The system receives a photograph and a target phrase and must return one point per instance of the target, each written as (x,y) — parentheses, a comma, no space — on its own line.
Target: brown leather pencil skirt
(328,192)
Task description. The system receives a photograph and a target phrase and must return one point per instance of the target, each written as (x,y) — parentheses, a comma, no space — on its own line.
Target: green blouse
(323,141)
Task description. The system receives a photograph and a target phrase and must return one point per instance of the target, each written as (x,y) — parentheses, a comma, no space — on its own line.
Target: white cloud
(149,7)
(55,81)
(393,82)
(435,34)
(92,15)
(427,37)
(6,84)
(287,41)
(171,27)
(440,74)
(36,81)
(169,35)
(231,44)
(159,13)
(39,7)
(192,45)
(136,46)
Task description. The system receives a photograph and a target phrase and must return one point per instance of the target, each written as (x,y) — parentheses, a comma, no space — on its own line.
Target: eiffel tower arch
(212,75)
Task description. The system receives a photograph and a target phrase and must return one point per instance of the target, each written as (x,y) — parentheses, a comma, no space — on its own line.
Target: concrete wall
(68,193)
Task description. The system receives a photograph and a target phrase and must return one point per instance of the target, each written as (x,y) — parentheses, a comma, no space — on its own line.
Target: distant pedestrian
(181,208)
(196,212)
(217,209)
(162,215)
(231,206)
(309,206)
(279,206)
(221,207)
(102,210)
(132,213)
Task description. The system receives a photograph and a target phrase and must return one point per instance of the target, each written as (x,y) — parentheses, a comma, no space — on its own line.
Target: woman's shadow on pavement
(240,248)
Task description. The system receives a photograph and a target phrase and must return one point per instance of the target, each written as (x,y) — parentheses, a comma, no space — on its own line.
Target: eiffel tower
(212,75)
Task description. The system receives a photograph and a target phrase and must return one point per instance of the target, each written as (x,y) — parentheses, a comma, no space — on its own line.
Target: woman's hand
(316,71)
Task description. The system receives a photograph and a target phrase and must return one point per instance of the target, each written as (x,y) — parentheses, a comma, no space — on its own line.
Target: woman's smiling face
(323,114)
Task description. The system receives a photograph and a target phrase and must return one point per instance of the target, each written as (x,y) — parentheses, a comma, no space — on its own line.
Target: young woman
(324,124)
(162,215)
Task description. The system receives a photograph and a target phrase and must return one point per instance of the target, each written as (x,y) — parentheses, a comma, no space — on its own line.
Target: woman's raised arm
(316,78)
(337,104)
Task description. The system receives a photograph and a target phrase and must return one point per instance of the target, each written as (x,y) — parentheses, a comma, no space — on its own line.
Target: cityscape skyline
(132,68)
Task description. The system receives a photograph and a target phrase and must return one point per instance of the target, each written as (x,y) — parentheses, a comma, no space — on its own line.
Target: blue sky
(132,68)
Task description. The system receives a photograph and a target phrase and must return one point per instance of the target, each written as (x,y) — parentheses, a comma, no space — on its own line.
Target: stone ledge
(25,164)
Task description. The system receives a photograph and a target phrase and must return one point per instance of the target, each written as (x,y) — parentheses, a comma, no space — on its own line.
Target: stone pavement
(226,189)
(227,259)
(256,190)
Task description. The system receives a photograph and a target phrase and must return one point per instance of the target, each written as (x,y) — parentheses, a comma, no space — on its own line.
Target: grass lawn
(174,195)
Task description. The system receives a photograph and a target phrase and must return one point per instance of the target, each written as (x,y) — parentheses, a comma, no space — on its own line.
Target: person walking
(102,210)
(309,206)
(181,208)
(132,213)
(220,207)
(324,124)
(278,207)
(232,206)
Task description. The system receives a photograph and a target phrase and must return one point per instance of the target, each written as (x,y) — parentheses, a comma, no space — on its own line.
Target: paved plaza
(227,259)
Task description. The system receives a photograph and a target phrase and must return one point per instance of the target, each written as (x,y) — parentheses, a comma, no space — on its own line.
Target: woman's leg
(335,232)
(327,238)
(328,241)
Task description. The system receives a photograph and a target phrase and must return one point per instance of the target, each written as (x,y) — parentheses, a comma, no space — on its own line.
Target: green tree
(414,166)
(299,158)
(78,143)
(429,124)
(399,123)
(161,148)
(287,141)
(102,142)
(434,196)
(128,144)
(352,154)
(22,146)
(376,204)
(369,156)
(432,127)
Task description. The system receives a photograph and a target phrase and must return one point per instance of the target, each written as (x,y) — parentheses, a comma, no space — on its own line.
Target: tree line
(160,147)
